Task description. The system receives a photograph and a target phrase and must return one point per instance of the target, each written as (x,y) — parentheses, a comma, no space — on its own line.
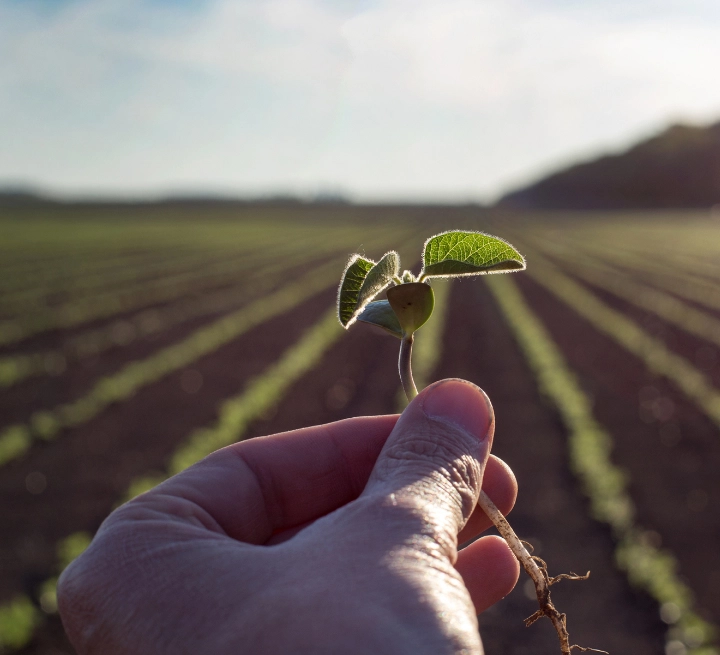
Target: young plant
(409,304)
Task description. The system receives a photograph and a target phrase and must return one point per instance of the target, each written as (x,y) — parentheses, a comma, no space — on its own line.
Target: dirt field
(68,484)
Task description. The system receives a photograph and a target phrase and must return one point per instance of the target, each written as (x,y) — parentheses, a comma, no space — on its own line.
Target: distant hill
(678,168)
(21,197)
(27,197)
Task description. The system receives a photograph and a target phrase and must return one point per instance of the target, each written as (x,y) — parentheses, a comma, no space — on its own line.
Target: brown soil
(36,393)
(357,376)
(54,338)
(88,468)
(700,353)
(650,280)
(669,448)
(551,513)
(59,289)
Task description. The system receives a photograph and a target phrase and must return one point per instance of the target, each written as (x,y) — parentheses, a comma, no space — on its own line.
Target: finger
(500,484)
(255,488)
(432,464)
(489,570)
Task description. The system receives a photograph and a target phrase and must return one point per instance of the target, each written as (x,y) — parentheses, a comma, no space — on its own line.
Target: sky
(426,100)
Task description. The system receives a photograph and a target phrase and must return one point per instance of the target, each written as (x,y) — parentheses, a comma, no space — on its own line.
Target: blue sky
(381,99)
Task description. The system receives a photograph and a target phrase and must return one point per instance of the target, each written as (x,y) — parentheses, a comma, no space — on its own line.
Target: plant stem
(405,367)
(539,575)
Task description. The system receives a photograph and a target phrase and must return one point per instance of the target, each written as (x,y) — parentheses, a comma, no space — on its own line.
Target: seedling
(408,305)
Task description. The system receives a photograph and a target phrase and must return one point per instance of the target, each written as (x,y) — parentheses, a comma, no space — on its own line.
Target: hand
(340,538)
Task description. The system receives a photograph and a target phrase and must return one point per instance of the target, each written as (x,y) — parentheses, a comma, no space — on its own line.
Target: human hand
(340,538)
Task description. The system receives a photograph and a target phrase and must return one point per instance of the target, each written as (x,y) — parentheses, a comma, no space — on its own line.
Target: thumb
(433,461)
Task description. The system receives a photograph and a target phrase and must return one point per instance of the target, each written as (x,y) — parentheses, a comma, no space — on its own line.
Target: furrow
(135,296)
(121,386)
(664,305)
(20,617)
(659,359)
(165,289)
(94,282)
(16,368)
(683,284)
(590,447)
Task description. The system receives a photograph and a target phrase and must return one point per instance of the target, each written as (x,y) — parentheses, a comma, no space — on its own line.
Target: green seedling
(408,305)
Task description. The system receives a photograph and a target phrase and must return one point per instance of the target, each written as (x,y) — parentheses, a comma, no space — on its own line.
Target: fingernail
(461,403)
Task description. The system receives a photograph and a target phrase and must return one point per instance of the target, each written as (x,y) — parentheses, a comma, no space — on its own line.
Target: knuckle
(73,587)
(417,524)
(76,596)
(86,590)
(442,461)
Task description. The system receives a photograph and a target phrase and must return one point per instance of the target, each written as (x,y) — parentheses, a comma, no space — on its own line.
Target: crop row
(652,237)
(127,271)
(20,617)
(142,294)
(27,257)
(70,264)
(52,273)
(590,448)
(653,251)
(259,279)
(94,282)
(121,332)
(657,357)
(108,303)
(168,288)
(664,305)
(45,424)
(695,264)
(657,267)
(681,283)
(108,250)
(59,240)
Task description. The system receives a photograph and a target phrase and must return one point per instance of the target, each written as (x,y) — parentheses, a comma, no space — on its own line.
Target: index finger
(255,488)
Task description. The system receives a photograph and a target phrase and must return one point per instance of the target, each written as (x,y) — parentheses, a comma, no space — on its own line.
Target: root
(536,568)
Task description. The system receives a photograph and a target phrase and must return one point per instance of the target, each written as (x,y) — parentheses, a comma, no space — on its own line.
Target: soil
(551,513)
(59,289)
(651,280)
(700,353)
(46,392)
(668,447)
(88,468)
(133,439)
(54,338)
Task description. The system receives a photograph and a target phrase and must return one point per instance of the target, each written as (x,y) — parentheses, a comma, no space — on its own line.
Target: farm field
(136,340)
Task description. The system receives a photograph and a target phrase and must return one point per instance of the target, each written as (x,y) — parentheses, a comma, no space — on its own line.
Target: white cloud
(444,97)
(466,95)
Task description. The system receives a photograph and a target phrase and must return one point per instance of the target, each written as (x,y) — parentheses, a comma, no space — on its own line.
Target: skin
(340,538)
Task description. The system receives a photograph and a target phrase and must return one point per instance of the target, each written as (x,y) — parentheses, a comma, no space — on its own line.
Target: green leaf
(412,303)
(355,273)
(378,278)
(381,314)
(452,254)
